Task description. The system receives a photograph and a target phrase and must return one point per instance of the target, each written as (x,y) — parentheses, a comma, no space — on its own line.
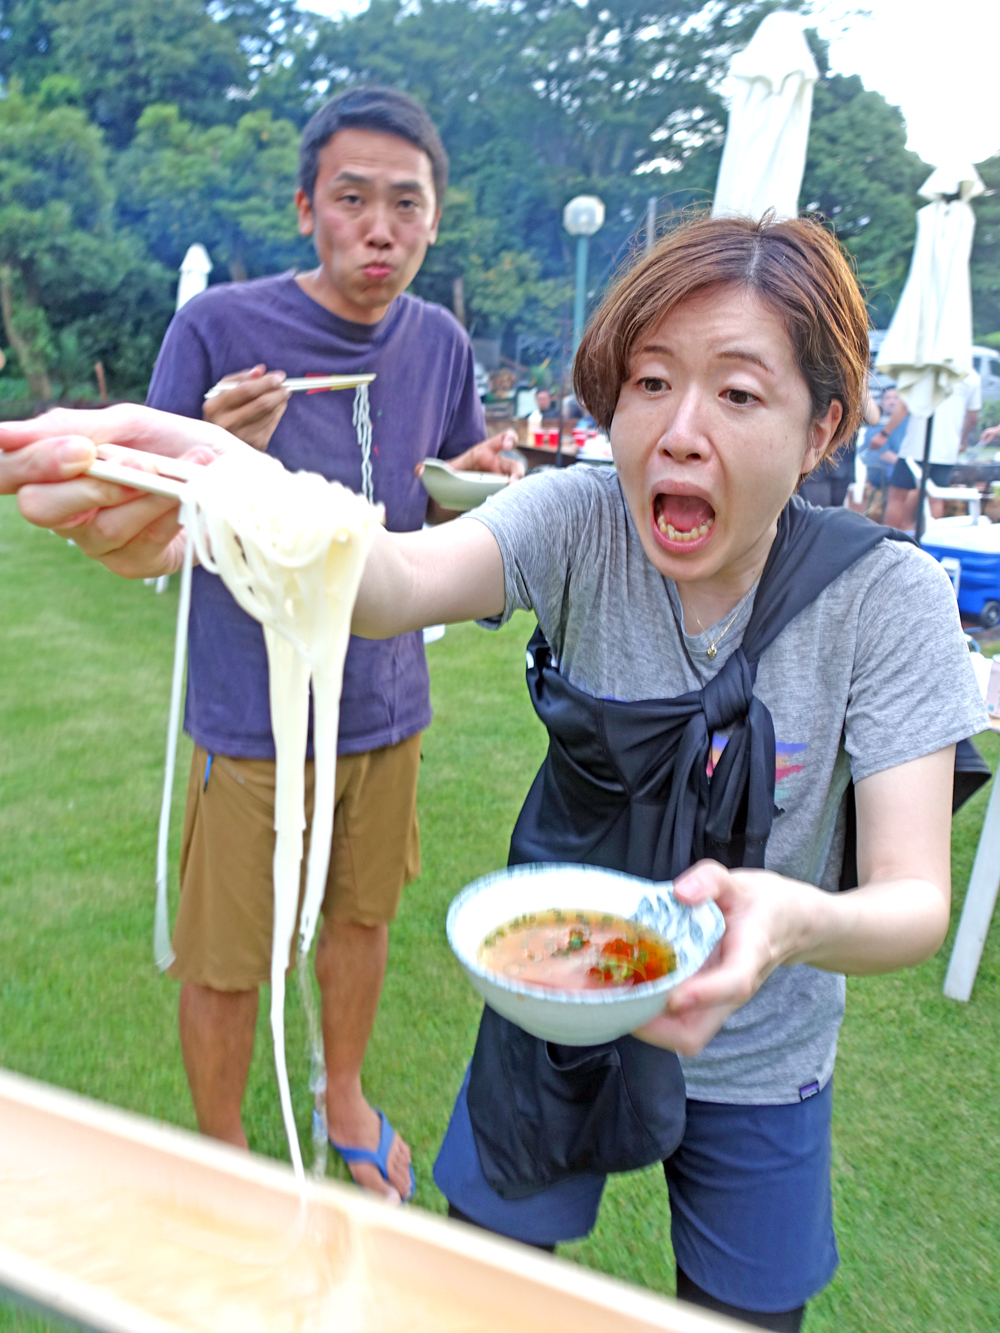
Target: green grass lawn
(84,679)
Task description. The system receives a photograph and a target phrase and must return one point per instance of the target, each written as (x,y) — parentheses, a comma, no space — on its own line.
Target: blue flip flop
(379,1158)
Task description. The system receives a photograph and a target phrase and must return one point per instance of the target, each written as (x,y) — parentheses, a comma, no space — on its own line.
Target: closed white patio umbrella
(194,271)
(928,347)
(770,92)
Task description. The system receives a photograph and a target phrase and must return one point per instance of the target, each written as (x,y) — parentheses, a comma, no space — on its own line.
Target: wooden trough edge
(78,1302)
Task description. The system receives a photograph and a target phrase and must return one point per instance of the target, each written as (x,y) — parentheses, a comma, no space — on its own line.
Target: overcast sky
(939,60)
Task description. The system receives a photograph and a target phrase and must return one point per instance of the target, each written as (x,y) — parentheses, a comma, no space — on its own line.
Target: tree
(126,54)
(985,263)
(64,271)
(230,187)
(861,176)
(277,39)
(25,42)
(538,100)
(502,286)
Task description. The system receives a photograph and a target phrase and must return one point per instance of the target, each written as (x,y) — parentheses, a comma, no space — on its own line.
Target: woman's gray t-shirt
(875,672)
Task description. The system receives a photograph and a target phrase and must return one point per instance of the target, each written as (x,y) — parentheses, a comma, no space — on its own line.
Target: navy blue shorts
(903,479)
(751,1219)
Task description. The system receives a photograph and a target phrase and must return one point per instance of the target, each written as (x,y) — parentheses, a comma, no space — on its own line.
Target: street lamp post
(580,295)
(582,216)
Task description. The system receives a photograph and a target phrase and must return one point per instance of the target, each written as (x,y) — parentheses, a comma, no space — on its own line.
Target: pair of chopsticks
(310,383)
(169,476)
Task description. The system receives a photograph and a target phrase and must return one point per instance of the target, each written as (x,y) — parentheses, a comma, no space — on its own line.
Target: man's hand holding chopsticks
(250,404)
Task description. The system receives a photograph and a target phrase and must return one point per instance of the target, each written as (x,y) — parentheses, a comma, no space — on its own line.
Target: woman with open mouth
(754,698)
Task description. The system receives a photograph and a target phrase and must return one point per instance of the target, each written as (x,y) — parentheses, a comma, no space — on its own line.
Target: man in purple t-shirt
(371,180)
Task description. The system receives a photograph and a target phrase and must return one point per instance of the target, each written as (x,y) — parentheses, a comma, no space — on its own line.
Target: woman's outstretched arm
(444,574)
(449,573)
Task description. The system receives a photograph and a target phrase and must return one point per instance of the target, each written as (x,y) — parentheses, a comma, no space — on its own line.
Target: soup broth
(576,951)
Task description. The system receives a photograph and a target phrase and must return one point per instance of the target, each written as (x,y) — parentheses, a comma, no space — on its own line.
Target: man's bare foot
(353,1123)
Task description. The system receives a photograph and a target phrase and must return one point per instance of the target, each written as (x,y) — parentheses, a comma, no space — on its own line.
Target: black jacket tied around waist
(626,786)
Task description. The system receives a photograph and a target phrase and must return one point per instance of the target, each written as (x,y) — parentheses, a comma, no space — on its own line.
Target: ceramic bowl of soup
(576,954)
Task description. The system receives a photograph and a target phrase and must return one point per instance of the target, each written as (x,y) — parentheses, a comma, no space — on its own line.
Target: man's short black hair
(384,110)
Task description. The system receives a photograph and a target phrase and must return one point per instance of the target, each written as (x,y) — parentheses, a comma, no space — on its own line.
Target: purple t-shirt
(423,404)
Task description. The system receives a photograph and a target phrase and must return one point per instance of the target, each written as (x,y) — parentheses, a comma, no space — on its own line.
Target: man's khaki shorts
(222,936)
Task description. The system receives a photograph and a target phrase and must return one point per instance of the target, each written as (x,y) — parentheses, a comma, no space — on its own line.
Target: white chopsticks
(168,475)
(310,383)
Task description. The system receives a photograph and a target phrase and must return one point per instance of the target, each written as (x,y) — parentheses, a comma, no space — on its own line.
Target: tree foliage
(230,187)
(860,175)
(538,100)
(502,286)
(127,54)
(128,130)
(985,264)
(72,285)
(25,42)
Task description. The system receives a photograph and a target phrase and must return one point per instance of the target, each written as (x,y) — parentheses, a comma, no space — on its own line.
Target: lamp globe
(583,215)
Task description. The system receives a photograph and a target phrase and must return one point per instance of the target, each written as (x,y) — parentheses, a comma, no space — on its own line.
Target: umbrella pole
(922,497)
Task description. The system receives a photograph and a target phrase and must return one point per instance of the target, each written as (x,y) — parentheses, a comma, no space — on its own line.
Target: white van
(987,361)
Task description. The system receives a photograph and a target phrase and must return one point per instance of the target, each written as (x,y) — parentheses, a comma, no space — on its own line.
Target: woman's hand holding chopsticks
(134,534)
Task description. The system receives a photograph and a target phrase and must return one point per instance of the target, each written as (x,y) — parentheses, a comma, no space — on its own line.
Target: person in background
(372,175)
(827,486)
(881,446)
(372,178)
(953,422)
(548,404)
(894,413)
(572,410)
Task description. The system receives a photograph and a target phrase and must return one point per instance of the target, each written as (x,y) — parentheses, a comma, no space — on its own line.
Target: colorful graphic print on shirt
(787,762)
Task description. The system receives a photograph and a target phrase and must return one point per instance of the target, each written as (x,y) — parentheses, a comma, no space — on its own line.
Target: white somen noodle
(291,548)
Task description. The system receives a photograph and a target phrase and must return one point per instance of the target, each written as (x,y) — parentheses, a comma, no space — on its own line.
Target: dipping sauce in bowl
(572,951)
(577,954)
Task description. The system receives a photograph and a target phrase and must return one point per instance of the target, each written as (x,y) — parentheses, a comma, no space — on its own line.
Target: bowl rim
(469,482)
(613,994)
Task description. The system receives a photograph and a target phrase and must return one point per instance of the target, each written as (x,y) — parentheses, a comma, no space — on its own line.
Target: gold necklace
(712,650)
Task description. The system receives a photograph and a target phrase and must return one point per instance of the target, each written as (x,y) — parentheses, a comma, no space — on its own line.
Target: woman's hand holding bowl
(766,925)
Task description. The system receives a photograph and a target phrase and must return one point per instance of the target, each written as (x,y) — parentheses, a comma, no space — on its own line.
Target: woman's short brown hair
(796,267)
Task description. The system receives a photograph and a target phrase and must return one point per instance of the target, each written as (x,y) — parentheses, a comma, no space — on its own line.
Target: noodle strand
(291,548)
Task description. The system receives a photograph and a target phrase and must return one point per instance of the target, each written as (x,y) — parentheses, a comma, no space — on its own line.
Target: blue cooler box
(972,557)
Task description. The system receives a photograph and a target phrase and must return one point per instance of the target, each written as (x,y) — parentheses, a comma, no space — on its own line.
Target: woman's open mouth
(682,522)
